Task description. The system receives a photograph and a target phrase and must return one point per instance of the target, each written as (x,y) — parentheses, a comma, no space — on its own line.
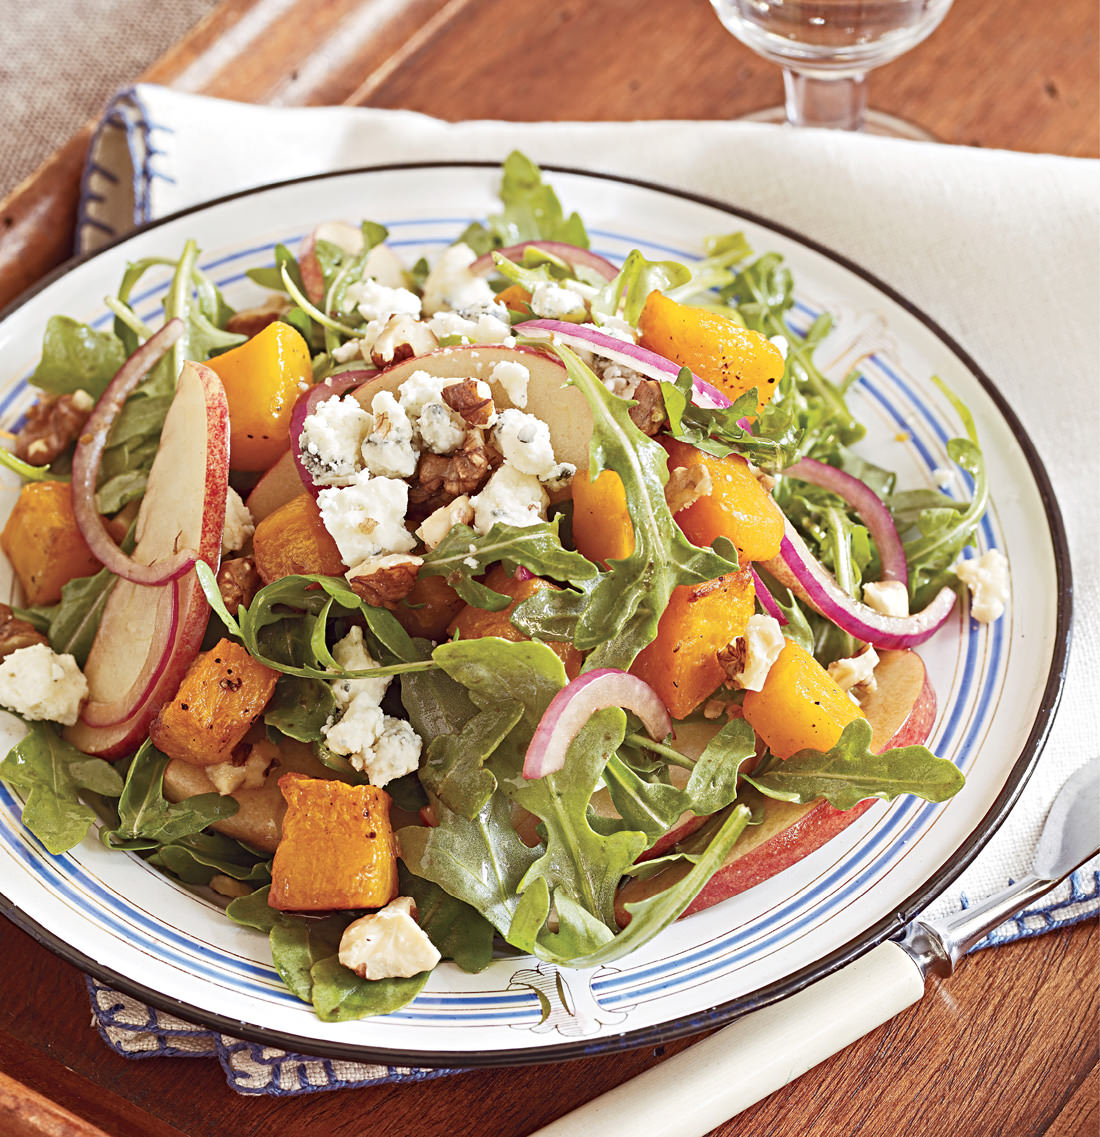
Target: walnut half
(383,582)
(16,633)
(52,425)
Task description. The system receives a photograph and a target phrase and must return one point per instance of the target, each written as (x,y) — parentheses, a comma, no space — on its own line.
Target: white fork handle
(708,1083)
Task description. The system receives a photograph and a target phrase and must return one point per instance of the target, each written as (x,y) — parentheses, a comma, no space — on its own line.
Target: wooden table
(1007,1046)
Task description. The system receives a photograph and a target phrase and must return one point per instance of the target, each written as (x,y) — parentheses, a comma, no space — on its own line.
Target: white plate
(997,684)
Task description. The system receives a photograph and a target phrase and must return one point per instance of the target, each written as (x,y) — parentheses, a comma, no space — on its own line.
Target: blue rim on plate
(904,818)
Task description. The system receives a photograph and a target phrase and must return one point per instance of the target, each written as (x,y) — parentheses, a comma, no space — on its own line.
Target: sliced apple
(275,488)
(902,712)
(149,634)
(259,817)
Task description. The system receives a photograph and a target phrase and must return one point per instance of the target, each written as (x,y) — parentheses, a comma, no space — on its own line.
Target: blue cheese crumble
(381,746)
(41,685)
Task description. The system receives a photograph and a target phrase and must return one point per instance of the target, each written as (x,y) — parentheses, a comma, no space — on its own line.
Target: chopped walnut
(238,582)
(52,425)
(16,633)
(401,338)
(442,478)
(733,657)
(440,522)
(384,582)
(251,321)
(686,485)
(471,400)
(648,413)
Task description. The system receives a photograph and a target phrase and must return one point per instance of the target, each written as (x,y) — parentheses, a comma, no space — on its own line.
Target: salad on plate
(515,602)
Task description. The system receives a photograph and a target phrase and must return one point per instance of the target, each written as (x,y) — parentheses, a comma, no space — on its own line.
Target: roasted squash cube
(737,506)
(337,849)
(293,539)
(800,707)
(602,529)
(681,664)
(43,543)
(221,695)
(474,623)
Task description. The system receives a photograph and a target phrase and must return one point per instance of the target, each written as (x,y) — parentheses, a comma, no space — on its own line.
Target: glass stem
(835,103)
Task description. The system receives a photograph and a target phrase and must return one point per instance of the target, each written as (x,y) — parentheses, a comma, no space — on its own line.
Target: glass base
(874,122)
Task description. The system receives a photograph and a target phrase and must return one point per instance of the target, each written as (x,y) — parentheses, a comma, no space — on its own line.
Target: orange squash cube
(737,507)
(601,522)
(337,848)
(221,695)
(474,623)
(681,664)
(43,544)
(294,540)
(429,607)
(720,351)
(263,378)
(800,707)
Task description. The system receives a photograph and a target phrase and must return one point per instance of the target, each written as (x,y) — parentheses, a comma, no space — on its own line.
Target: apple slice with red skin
(383,263)
(149,634)
(275,488)
(902,712)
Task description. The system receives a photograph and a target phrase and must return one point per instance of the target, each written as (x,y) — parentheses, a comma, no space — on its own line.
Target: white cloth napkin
(1002,249)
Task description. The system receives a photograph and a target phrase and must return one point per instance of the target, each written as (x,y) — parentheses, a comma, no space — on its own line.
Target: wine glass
(826,49)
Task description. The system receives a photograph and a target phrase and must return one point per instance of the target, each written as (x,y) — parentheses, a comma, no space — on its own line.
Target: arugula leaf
(849,772)
(454,766)
(624,296)
(945,529)
(75,357)
(300,707)
(650,916)
(50,773)
(503,677)
(718,431)
(457,930)
(304,950)
(339,995)
(579,863)
(622,610)
(286,627)
(300,942)
(148,819)
(435,703)
(531,212)
(271,276)
(763,293)
(464,554)
(70,625)
(199,857)
(654,807)
(253,911)
(480,861)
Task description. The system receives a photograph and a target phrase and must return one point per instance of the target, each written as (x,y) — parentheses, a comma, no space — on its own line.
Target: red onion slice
(869,507)
(334,386)
(767,600)
(796,568)
(577,702)
(573,255)
(88,455)
(632,355)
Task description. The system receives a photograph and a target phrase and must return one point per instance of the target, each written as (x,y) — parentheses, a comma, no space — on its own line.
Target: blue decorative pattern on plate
(996,684)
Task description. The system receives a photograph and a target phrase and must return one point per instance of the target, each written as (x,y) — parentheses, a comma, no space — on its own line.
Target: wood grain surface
(1008,1046)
